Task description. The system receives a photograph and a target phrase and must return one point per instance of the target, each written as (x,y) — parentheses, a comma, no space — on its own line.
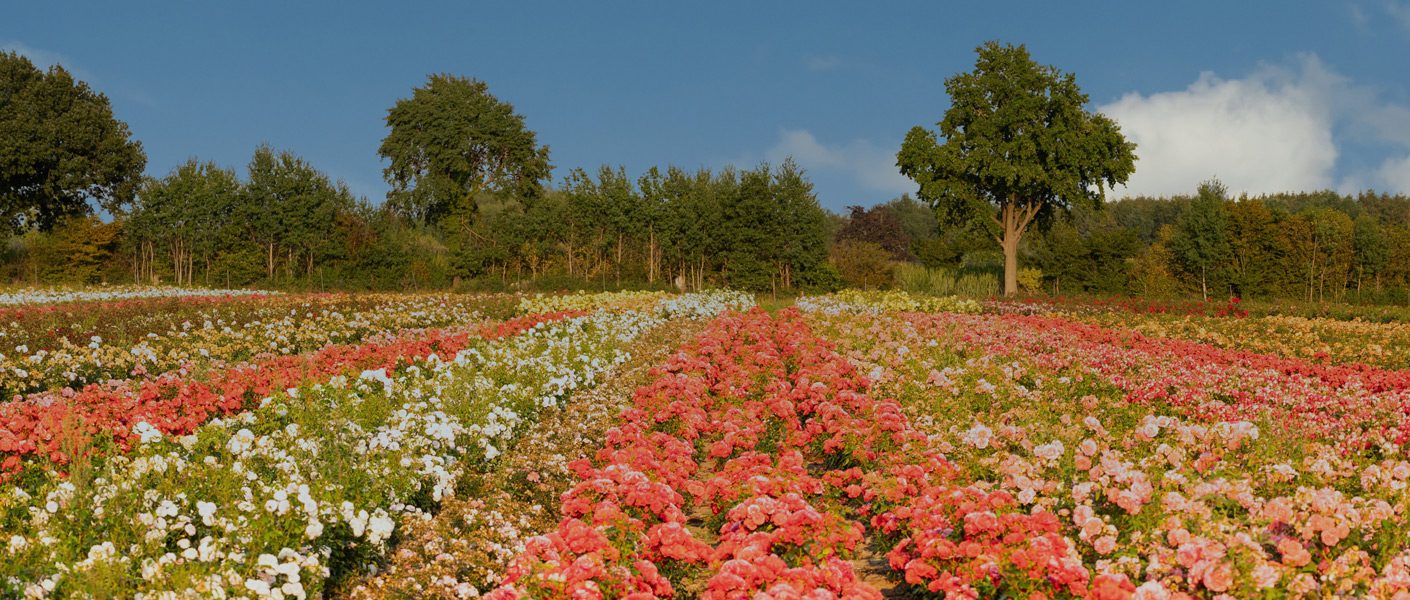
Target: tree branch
(1030,212)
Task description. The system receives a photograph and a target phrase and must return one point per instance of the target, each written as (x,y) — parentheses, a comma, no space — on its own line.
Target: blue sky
(1267,96)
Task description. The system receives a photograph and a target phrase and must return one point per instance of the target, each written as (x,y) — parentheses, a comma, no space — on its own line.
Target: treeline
(758,229)
(471,206)
(1317,246)
(284,223)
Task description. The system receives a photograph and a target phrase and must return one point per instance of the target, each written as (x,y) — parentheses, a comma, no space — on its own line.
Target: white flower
(293,588)
(378,375)
(379,527)
(206,510)
(978,436)
(146,433)
(166,509)
(1051,451)
(240,442)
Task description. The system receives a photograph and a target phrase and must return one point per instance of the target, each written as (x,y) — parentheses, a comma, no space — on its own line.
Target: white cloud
(1269,132)
(873,167)
(1278,129)
(1400,11)
(823,63)
(1395,172)
(45,59)
(41,58)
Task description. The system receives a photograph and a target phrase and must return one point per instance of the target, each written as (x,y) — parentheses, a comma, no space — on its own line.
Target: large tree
(877,225)
(1018,144)
(1201,244)
(60,148)
(185,215)
(452,140)
(289,208)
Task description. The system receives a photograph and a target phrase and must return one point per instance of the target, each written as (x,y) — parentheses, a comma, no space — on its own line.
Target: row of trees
(285,222)
(1015,171)
(469,202)
(202,223)
(757,229)
(1307,246)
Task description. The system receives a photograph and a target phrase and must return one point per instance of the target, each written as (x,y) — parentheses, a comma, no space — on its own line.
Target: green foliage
(757,230)
(470,209)
(1321,247)
(1150,269)
(1031,280)
(60,148)
(878,225)
(946,282)
(78,250)
(916,219)
(453,140)
(201,224)
(189,215)
(1200,245)
(1372,249)
(862,265)
(1018,146)
(1085,251)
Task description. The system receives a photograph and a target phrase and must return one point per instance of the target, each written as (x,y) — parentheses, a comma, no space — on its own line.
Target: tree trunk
(653,257)
(1010,264)
(1015,220)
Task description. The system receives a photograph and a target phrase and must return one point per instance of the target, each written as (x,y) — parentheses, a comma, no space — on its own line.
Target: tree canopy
(452,140)
(60,148)
(1201,240)
(1018,144)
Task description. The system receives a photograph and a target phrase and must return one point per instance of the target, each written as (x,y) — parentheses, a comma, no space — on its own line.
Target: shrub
(864,265)
(1031,280)
(946,282)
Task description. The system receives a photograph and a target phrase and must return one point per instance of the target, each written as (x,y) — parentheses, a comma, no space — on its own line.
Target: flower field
(121,292)
(643,445)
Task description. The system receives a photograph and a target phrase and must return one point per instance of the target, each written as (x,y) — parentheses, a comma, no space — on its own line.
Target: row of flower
(115,292)
(690,305)
(214,337)
(1318,339)
(1226,308)
(583,300)
(1358,408)
(53,428)
(462,551)
(704,490)
(758,465)
(873,302)
(1165,469)
(129,321)
(285,500)
(56,314)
